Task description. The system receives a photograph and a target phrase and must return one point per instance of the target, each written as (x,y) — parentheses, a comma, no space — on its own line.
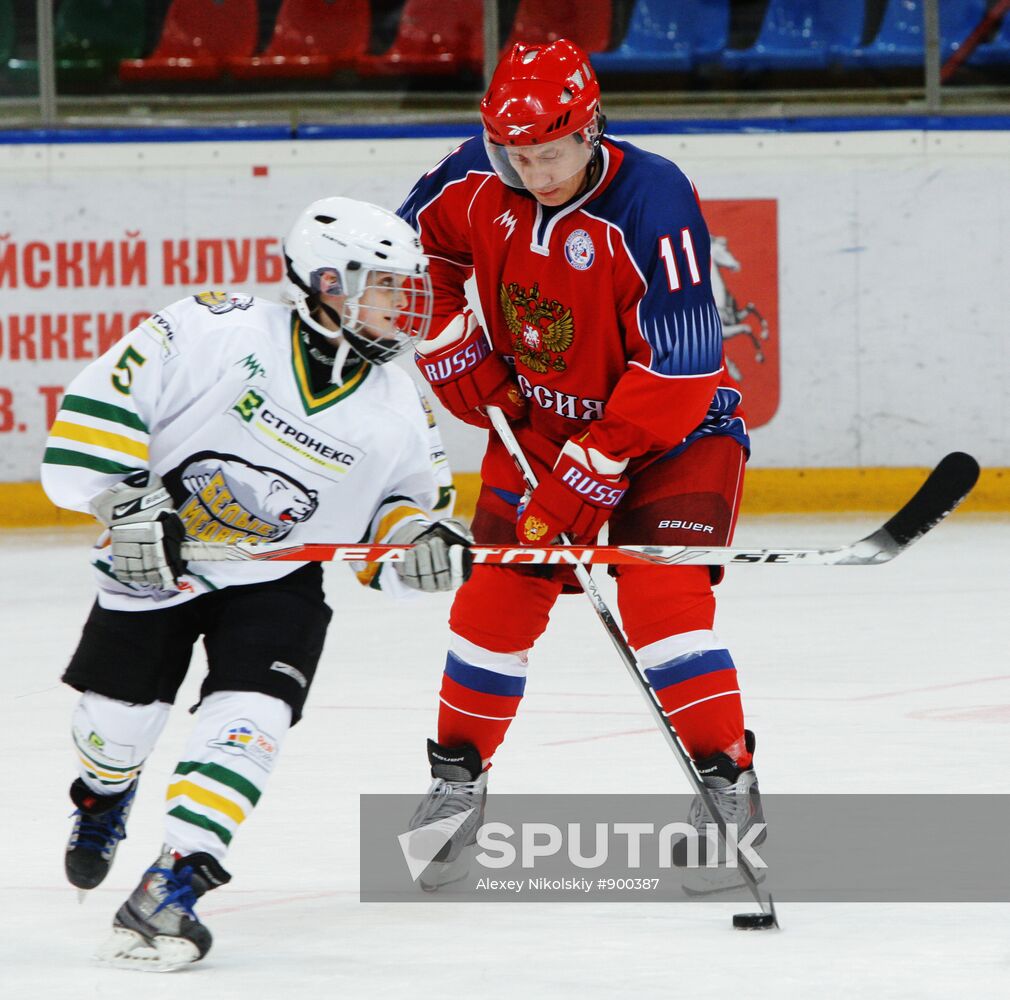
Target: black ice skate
(99,826)
(156,929)
(738,799)
(448,817)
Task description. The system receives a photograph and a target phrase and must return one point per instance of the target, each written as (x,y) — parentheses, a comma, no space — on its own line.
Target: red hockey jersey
(603,306)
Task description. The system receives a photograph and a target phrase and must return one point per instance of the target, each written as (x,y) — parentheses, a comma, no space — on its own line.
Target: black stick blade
(947,485)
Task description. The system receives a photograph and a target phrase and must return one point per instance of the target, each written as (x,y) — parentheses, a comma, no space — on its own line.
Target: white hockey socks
(224,769)
(113,739)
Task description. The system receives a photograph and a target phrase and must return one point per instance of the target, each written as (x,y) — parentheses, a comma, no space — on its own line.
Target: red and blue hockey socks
(700,694)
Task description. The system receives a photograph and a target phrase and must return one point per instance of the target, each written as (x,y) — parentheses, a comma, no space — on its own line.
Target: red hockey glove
(577,498)
(466,374)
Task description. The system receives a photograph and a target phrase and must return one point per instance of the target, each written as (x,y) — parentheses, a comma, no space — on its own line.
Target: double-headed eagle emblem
(541,329)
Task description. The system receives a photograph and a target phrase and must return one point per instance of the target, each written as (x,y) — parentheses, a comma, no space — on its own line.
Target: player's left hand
(440,558)
(145,531)
(575,499)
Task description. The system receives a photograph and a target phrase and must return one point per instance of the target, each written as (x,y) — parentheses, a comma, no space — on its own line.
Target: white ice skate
(156,929)
(446,820)
(737,797)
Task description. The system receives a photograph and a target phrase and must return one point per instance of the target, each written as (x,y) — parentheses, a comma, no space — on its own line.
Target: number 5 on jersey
(123,382)
(670,260)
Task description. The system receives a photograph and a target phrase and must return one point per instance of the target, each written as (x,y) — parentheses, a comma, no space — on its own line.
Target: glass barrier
(287,60)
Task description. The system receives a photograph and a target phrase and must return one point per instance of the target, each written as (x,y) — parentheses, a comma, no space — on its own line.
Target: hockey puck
(753,921)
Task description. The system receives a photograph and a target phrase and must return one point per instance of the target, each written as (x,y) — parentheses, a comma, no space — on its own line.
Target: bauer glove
(575,499)
(440,558)
(466,374)
(144,530)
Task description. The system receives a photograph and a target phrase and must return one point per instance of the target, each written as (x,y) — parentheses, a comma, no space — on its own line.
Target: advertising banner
(852,271)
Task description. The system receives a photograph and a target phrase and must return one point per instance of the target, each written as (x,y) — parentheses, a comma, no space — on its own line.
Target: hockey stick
(767,917)
(945,487)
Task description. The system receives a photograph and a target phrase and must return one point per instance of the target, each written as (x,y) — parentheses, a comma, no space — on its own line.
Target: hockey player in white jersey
(229,418)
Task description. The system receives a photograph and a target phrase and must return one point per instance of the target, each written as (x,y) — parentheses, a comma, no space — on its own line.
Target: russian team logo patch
(579,250)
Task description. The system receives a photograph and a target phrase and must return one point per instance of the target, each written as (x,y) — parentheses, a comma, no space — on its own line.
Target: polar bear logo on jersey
(229,491)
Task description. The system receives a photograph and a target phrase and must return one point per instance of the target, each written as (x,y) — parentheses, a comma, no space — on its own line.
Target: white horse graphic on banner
(736,321)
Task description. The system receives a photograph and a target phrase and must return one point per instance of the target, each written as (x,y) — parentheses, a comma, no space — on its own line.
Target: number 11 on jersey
(672,272)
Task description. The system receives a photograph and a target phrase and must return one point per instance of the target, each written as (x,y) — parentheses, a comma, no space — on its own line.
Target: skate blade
(440,874)
(126,949)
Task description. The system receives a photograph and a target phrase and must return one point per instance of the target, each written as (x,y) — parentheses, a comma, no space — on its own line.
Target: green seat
(90,37)
(7,31)
(100,31)
(12,81)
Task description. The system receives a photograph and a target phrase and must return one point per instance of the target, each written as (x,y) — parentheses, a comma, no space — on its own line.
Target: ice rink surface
(856,679)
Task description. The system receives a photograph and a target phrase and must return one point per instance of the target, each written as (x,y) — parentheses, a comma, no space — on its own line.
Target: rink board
(874,268)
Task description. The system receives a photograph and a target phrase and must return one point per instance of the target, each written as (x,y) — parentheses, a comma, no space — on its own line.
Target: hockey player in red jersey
(602,344)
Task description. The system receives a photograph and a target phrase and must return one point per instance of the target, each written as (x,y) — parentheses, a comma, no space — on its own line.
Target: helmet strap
(320,349)
(332,358)
(340,362)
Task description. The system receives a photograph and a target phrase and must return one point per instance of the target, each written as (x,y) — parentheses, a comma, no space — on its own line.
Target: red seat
(197,37)
(311,38)
(545,21)
(434,38)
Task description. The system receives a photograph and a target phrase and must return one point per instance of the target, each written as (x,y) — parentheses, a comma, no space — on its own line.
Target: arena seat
(10,80)
(8,31)
(92,36)
(434,38)
(197,37)
(995,53)
(89,38)
(311,39)
(17,76)
(545,21)
(668,36)
(800,34)
(901,38)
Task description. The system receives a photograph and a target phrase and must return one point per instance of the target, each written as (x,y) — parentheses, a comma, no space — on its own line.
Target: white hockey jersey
(213,395)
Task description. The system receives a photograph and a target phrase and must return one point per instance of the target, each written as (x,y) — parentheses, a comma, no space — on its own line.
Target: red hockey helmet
(540,93)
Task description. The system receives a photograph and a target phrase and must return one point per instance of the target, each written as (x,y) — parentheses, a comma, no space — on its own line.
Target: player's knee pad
(502,610)
(114,738)
(228,758)
(243,725)
(656,602)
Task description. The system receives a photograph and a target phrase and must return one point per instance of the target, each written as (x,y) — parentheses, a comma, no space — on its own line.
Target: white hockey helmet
(352,248)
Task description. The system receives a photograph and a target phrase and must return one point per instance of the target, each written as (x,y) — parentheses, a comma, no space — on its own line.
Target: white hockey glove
(440,558)
(145,531)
